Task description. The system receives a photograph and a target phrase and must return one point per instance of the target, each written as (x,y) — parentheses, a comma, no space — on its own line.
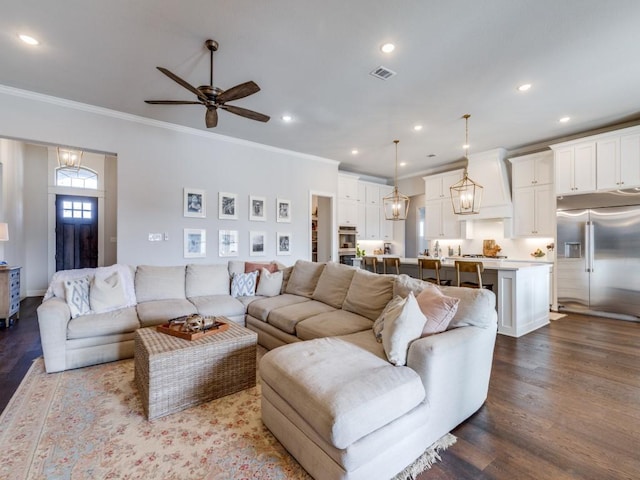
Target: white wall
(155,162)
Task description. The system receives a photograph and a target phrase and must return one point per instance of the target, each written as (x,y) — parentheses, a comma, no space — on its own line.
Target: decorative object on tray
(490,248)
(193,327)
(538,253)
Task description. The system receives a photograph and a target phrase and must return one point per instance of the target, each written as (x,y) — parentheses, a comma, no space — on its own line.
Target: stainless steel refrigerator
(598,254)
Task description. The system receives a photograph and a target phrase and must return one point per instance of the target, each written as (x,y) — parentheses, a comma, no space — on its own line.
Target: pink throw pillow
(252,267)
(438,308)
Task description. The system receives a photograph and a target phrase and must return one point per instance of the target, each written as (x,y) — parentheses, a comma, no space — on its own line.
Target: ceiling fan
(213,97)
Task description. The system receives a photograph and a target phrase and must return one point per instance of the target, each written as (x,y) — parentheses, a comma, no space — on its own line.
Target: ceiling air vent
(383,73)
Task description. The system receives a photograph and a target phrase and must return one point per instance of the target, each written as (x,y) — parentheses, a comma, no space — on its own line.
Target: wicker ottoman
(173,374)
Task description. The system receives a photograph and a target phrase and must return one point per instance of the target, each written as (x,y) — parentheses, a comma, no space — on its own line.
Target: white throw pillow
(390,309)
(270,283)
(402,326)
(77,296)
(244,284)
(106,295)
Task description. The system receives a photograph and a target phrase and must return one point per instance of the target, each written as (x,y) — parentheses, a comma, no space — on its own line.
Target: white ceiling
(312,60)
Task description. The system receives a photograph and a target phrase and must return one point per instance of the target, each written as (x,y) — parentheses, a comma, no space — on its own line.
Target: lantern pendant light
(466,195)
(396,205)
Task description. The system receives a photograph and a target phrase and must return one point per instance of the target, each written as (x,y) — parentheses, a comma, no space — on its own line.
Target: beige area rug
(556,315)
(89,423)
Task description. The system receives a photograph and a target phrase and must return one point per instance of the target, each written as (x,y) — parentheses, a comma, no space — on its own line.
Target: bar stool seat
(370,263)
(431,264)
(471,267)
(391,263)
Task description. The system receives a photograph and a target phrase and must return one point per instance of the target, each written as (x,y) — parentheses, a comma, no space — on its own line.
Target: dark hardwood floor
(564,402)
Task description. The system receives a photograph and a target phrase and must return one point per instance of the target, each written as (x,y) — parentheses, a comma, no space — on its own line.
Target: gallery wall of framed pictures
(230,240)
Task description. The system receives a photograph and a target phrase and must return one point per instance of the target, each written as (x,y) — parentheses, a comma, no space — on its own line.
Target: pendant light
(68,158)
(396,205)
(466,195)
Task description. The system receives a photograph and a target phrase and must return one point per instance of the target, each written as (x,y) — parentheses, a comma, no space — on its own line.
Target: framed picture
(283,210)
(194,203)
(283,241)
(227,206)
(257,210)
(195,243)
(257,244)
(228,243)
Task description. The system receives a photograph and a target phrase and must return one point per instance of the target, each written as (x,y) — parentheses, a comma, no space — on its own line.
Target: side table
(9,295)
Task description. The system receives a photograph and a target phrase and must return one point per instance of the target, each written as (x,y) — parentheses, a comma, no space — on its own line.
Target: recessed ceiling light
(564,119)
(524,87)
(388,48)
(417,128)
(28,39)
(354,151)
(402,164)
(465,146)
(287,118)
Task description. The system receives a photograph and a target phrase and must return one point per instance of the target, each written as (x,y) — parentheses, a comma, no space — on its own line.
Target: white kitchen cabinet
(372,195)
(372,222)
(618,162)
(534,169)
(348,212)
(436,187)
(533,195)
(386,226)
(347,187)
(576,168)
(440,221)
(534,211)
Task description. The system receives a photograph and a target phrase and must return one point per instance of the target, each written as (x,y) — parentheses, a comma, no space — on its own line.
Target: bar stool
(430,264)
(370,263)
(391,262)
(471,267)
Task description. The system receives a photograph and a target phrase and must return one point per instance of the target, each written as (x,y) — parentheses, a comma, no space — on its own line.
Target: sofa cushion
(286,275)
(244,284)
(403,284)
(286,318)
(77,296)
(368,294)
(438,308)
(333,284)
(124,320)
(269,283)
(261,309)
(107,294)
(343,391)
(304,278)
(218,305)
(332,324)
(476,307)
(402,325)
(160,283)
(204,280)
(161,311)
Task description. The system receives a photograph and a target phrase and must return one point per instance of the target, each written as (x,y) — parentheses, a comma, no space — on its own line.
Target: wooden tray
(193,336)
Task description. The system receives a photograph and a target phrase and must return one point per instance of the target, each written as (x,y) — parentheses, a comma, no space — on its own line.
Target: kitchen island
(521,288)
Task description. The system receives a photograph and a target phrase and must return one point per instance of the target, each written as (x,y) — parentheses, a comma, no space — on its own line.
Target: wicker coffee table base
(173,374)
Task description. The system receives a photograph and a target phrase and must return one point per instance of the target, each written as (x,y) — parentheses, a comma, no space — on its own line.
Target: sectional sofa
(357,383)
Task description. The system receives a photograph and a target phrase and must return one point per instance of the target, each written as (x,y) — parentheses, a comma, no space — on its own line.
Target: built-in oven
(347,244)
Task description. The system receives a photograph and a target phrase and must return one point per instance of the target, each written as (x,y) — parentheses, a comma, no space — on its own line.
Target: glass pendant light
(396,205)
(466,195)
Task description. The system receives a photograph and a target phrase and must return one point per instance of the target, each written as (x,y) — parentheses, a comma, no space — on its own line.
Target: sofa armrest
(455,367)
(53,317)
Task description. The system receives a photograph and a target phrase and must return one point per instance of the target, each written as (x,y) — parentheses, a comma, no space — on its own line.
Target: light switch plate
(155,237)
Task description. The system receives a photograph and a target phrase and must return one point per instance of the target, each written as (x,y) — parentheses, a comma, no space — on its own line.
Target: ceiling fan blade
(239,91)
(243,112)
(211,117)
(186,85)
(172,102)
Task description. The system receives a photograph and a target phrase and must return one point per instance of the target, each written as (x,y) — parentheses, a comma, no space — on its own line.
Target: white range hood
(489,170)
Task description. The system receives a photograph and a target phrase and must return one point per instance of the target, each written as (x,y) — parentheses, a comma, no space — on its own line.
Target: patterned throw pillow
(244,284)
(77,296)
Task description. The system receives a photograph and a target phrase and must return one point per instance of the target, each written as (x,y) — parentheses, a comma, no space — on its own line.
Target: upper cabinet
(608,161)
(347,200)
(436,187)
(440,221)
(347,187)
(531,170)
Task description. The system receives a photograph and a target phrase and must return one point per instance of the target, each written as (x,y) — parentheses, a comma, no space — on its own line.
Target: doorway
(76,232)
(322,245)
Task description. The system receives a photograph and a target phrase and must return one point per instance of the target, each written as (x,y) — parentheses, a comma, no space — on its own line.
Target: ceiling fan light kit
(466,195)
(212,97)
(396,204)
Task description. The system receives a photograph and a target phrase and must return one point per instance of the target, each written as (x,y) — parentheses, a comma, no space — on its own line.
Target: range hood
(489,170)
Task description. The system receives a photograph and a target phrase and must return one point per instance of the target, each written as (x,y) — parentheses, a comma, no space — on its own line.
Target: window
(76,177)
(82,210)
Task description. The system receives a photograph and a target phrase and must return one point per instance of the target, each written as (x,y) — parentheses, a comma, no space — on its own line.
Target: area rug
(89,423)
(556,315)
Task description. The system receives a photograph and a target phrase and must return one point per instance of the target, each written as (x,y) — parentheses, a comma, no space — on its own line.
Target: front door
(76,232)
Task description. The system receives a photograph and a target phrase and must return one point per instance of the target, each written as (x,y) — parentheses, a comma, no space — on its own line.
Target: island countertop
(488,263)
